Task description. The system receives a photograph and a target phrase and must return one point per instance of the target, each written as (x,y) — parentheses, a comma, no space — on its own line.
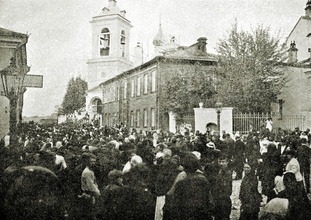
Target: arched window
(104,42)
(97,106)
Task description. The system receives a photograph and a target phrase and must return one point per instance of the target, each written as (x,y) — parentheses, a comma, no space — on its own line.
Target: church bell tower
(110,44)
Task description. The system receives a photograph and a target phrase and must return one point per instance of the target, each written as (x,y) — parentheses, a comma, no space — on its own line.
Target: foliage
(75,96)
(250,74)
(187,87)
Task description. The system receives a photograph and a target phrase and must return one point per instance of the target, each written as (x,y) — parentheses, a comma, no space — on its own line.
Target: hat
(58,144)
(211,145)
(197,154)
(136,160)
(115,174)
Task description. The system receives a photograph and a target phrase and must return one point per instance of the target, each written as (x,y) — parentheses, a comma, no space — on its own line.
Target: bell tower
(110,44)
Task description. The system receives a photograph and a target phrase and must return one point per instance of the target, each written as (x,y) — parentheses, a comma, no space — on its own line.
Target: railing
(242,121)
(291,121)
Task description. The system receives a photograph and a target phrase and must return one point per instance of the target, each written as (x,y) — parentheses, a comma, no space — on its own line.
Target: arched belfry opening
(104,42)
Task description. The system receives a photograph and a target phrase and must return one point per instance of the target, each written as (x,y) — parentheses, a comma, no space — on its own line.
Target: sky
(59,44)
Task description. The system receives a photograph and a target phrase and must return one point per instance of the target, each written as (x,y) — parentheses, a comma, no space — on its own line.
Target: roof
(207,58)
(180,53)
(301,18)
(6,32)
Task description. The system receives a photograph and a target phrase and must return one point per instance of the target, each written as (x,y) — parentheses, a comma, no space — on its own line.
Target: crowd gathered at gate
(82,171)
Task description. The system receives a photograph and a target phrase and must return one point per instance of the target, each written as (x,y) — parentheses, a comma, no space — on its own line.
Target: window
(138,86)
(117,93)
(137,118)
(132,119)
(125,89)
(133,88)
(153,118)
(104,42)
(145,118)
(145,83)
(153,81)
(122,42)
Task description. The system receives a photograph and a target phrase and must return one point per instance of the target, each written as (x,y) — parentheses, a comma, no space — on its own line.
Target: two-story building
(136,97)
(132,93)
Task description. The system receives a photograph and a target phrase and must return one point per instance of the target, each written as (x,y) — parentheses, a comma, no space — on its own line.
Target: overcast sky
(60,32)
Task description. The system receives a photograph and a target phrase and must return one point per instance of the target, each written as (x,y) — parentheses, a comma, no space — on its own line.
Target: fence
(289,122)
(243,121)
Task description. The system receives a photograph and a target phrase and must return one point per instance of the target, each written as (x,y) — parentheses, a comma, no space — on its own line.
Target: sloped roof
(191,52)
(181,53)
(301,18)
(6,32)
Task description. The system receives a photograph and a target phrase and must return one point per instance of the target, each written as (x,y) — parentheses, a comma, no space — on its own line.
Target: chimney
(112,3)
(201,46)
(138,55)
(308,8)
(292,53)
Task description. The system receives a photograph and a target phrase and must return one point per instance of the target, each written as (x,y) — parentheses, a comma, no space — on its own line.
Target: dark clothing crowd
(82,171)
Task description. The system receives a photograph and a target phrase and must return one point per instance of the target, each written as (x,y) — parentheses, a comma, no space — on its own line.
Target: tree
(250,71)
(187,87)
(75,96)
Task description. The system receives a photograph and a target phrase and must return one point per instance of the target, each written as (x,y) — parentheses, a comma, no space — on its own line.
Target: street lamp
(218,106)
(12,79)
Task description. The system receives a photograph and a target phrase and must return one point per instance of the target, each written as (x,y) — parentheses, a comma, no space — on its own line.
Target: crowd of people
(72,171)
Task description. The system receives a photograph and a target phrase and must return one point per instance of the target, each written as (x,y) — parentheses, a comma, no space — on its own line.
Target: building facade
(131,93)
(136,97)
(293,106)
(13,69)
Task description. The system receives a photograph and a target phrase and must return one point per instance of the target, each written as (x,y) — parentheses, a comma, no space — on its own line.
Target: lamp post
(12,79)
(218,106)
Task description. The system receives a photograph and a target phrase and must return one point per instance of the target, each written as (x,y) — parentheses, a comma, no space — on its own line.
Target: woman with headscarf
(299,207)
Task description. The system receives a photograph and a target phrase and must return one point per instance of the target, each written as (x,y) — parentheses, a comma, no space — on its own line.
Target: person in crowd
(192,196)
(89,187)
(270,169)
(269,124)
(249,196)
(222,190)
(106,206)
(299,207)
(134,200)
(164,174)
(229,142)
(134,160)
(239,157)
(304,155)
(308,135)
(293,166)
